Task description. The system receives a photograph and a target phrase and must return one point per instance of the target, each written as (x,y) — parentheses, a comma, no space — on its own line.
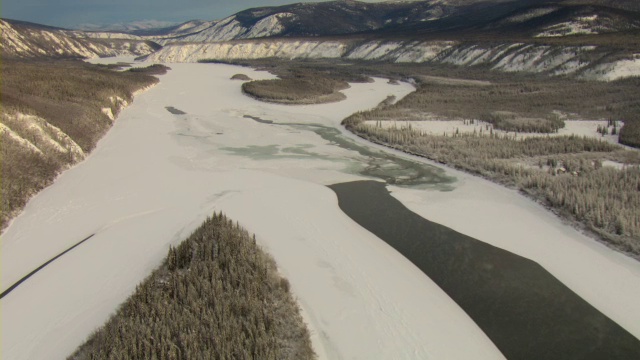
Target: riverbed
(193,145)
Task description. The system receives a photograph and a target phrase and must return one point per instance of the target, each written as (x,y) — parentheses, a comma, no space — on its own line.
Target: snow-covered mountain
(135,27)
(590,62)
(549,20)
(432,18)
(556,37)
(26,40)
(329,18)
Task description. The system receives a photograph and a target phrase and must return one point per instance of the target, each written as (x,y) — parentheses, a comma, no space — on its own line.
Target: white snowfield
(156,176)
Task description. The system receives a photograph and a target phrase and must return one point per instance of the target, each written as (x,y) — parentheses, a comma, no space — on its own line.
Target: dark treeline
(216,296)
(155,69)
(630,134)
(64,102)
(509,122)
(242,77)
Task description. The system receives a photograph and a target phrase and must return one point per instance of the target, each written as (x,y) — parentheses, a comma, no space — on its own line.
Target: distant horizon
(75,14)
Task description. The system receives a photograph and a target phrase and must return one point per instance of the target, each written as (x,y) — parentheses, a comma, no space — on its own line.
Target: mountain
(451,20)
(551,20)
(143,27)
(189,27)
(310,19)
(27,40)
(589,39)
(593,39)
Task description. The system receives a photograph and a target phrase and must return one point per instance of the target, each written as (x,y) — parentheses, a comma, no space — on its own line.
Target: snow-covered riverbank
(157,175)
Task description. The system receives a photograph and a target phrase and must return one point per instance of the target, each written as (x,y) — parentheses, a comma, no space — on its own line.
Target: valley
(160,174)
(426,179)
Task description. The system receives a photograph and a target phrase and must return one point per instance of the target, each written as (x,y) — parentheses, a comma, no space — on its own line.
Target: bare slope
(26,40)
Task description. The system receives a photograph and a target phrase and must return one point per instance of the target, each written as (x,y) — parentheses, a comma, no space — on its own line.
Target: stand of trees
(216,296)
(306,89)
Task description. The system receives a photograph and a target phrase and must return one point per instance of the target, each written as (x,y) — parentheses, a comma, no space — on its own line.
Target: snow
(421,52)
(107,111)
(156,176)
(249,50)
(398,51)
(614,71)
(22,141)
(531,14)
(269,26)
(582,25)
(35,42)
(103,35)
(514,57)
(226,29)
(606,279)
(373,50)
(44,137)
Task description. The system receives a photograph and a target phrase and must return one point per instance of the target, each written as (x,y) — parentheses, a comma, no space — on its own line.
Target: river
(194,144)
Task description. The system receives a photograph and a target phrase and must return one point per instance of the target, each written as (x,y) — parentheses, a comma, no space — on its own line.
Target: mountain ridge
(591,39)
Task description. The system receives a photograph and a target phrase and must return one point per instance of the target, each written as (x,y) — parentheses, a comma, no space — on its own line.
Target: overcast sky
(72,13)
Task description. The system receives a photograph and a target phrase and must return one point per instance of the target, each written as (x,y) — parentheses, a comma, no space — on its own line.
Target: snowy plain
(156,176)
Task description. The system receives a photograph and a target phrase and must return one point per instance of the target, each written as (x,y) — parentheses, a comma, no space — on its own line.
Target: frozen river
(158,173)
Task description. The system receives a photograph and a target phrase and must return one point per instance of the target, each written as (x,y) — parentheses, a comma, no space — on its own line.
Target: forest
(217,295)
(302,89)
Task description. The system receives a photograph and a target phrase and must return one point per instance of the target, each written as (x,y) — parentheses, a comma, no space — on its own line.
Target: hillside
(590,40)
(420,20)
(53,114)
(26,40)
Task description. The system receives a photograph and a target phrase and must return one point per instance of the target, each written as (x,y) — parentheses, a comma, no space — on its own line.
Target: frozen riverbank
(157,175)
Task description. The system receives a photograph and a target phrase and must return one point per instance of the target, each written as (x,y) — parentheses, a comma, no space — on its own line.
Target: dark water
(524,310)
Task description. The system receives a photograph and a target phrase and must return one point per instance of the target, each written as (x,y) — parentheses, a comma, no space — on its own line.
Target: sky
(75,13)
